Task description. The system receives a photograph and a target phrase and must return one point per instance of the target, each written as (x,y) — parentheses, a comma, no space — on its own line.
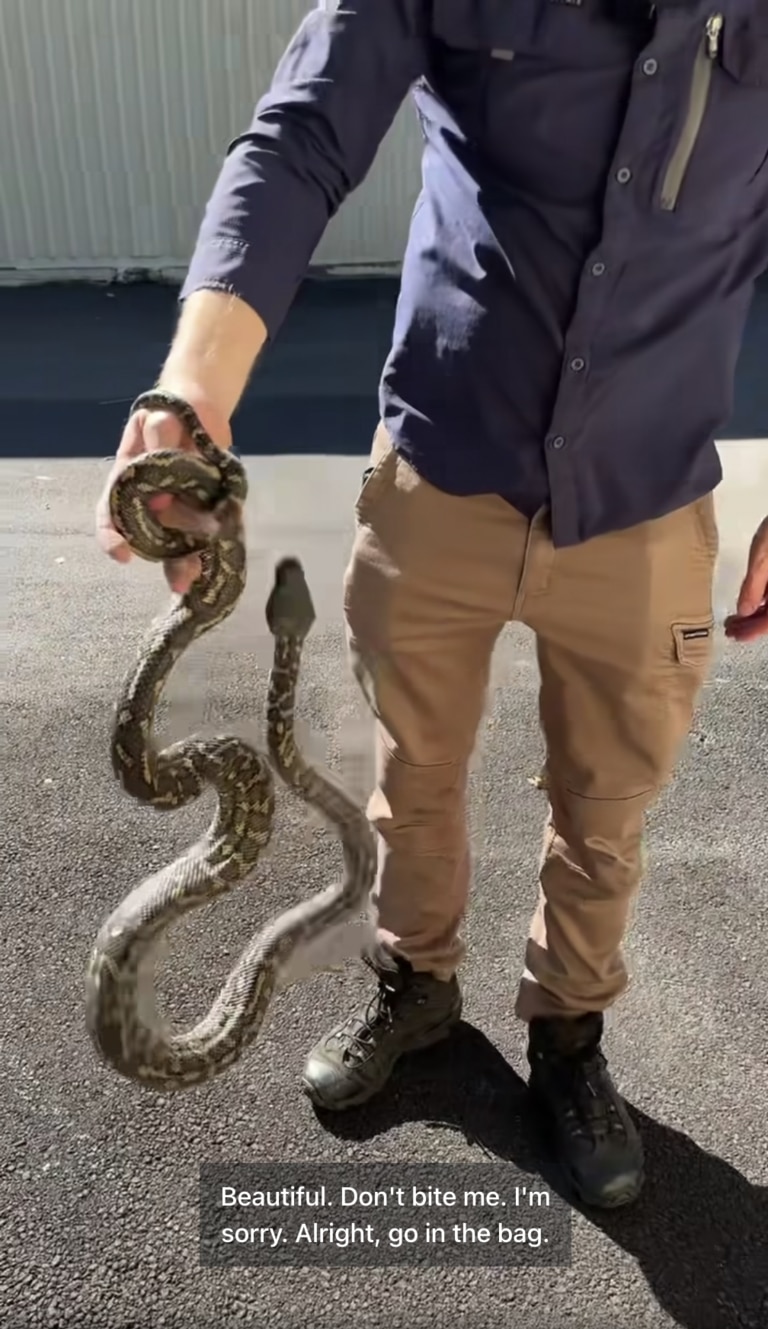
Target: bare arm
(218,340)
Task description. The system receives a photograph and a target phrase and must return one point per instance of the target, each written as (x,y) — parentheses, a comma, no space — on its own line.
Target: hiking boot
(409,1011)
(594,1138)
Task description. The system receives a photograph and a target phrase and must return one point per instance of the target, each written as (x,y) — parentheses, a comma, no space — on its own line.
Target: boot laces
(592,1109)
(378,1015)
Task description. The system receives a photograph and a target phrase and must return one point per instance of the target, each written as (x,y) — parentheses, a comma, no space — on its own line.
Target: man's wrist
(216,345)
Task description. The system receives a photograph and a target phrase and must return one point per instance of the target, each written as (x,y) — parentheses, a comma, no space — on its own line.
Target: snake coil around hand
(121,1010)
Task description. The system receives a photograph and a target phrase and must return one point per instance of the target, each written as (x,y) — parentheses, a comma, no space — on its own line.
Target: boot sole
(429,1039)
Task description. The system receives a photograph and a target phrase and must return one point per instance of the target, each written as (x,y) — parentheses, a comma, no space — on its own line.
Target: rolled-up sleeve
(312,141)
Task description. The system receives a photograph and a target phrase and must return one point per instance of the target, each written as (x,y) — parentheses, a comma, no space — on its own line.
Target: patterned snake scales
(121,1014)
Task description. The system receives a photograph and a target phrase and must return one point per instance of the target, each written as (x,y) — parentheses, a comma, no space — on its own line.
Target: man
(580,264)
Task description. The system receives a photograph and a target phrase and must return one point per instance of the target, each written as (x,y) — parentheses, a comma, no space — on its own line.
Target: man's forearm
(313,139)
(217,342)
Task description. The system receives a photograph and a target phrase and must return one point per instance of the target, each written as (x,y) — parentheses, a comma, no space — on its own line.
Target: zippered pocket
(698,96)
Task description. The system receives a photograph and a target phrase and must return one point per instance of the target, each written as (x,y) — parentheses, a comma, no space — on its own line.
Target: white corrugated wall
(114,117)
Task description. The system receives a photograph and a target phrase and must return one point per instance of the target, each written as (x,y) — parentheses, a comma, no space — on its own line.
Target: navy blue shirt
(582,254)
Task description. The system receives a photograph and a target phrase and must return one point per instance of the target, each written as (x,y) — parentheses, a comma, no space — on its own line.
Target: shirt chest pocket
(483,29)
(475,41)
(539,87)
(716,168)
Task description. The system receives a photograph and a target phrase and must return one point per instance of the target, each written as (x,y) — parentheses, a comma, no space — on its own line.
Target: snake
(121,1002)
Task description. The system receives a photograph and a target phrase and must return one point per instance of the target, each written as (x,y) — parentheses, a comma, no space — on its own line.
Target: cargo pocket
(694,641)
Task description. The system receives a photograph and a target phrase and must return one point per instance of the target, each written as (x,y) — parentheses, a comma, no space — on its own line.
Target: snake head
(290,612)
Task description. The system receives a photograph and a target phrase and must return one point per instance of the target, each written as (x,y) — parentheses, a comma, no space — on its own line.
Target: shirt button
(577,365)
(650,67)
(558,442)
(624,175)
(598,269)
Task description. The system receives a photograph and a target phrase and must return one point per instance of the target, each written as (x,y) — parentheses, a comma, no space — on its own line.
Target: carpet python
(121,1006)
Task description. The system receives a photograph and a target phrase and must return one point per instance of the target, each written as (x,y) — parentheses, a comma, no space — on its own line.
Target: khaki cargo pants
(624,633)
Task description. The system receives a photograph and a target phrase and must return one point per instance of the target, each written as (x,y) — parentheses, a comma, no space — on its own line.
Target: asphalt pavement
(99,1204)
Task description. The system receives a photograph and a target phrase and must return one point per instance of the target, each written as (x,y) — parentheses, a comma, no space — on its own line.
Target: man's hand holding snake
(155,431)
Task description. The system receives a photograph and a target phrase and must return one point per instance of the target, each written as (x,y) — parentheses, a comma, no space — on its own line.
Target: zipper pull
(714,28)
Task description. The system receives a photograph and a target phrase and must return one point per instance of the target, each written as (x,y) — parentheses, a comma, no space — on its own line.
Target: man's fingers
(153,431)
(179,516)
(181,573)
(162,430)
(753,590)
(755,584)
(114,546)
(147,431)
(110,541)
(747,629)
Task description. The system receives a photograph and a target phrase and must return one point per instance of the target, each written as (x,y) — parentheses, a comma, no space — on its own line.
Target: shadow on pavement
(699,1231)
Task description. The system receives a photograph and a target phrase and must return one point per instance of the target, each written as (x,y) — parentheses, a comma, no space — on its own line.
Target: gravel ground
(99,1200)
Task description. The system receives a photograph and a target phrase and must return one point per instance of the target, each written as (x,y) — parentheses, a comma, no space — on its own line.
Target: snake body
(121,1015)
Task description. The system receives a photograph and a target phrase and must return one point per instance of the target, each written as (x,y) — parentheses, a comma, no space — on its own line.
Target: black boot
(594,1138)
(408,1012)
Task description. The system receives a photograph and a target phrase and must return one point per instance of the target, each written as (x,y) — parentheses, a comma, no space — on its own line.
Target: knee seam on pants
(454,762)
(602,798)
